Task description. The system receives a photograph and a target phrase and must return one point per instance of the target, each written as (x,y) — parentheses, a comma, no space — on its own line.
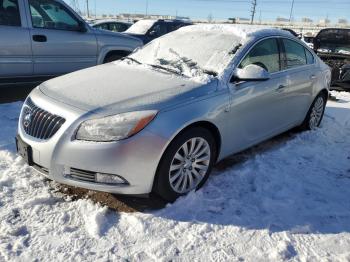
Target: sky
(266,10)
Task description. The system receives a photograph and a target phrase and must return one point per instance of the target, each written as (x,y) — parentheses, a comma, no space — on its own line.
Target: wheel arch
(212,128)
(108,51)
(325,92)
(121,53)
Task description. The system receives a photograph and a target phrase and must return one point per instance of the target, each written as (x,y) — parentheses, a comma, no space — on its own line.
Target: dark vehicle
(333,47)
(148,30)
(112,25)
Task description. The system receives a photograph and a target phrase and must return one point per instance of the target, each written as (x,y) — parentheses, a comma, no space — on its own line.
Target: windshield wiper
(132,59)
(209,72)
(166,69)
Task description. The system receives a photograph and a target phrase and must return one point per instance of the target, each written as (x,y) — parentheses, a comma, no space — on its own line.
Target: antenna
(254,3)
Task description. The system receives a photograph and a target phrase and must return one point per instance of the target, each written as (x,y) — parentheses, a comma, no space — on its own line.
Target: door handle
(312,77)
(39,38)
(280,88)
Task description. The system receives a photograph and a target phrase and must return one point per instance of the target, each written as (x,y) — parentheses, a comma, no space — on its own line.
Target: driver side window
(51,14)
(264,54)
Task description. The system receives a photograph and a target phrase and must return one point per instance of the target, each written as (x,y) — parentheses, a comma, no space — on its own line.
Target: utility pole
(146,7)
(291,12)
(95,10)
(260,17)
(253,10)
(87,8)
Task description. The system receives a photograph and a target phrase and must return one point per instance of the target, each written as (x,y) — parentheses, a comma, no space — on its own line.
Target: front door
(15,48)
(59,45)
(256,108)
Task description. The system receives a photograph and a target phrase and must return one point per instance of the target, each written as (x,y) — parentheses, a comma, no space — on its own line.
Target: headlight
(113,128)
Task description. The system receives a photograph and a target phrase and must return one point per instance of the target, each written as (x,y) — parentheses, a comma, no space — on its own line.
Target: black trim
(24,80)
(282,53)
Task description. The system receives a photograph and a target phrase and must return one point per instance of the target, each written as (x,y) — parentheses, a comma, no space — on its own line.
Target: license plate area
(25,151)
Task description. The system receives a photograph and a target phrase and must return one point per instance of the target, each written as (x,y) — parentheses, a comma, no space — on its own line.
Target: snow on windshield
(194,50)
(141,27)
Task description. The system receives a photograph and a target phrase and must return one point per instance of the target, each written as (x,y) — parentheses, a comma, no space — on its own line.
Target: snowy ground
(287,200)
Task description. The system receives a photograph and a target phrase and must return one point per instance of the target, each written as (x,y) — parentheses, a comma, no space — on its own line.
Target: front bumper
(134,159)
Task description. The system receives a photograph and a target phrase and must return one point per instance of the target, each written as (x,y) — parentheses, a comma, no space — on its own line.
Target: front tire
(186,164)
(315,114)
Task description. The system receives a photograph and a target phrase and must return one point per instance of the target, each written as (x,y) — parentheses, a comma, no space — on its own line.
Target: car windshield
(192,51)
(141,27)
(334,41)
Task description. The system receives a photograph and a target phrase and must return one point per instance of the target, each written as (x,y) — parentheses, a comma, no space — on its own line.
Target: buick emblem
(27,119)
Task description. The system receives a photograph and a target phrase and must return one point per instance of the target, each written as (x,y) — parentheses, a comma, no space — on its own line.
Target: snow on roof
(110,21)
(193,50)
(242,31)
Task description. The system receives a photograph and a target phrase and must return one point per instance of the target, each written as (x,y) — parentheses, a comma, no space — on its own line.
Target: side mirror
(251,73)
(82,27)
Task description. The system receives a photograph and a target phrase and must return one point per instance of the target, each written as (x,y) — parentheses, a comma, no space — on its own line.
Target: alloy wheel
(316,113)
(189,165)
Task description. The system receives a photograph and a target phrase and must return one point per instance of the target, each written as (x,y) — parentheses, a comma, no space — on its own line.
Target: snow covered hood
(200,47)
(116,84)
(141,27)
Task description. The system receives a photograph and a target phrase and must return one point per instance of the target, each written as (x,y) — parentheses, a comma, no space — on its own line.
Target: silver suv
(41,39)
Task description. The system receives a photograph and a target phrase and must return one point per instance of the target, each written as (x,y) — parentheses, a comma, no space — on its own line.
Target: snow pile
(287,199)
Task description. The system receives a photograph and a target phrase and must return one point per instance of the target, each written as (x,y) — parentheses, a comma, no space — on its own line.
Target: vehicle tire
(113,57)
(186,164)
(315,114)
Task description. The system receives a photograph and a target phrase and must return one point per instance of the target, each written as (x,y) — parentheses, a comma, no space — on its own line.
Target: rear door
(299,67)
(15,46)
(59,45)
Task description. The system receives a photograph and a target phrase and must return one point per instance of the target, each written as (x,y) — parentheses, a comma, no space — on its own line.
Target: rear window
(334,35)
(333,41)
(295,54)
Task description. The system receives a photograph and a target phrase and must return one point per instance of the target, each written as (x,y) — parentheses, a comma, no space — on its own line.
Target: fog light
(109,179)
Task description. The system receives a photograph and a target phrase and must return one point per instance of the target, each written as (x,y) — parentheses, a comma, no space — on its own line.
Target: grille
(82,175)
(39,123)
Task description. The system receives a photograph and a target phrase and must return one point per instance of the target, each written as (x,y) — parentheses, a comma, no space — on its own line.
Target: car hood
(121,87)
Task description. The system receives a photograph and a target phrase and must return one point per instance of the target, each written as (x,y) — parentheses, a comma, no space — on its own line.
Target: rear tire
(315,114)
(186,164)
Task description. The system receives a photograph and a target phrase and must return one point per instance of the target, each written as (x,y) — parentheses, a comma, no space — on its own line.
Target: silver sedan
(161,118)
